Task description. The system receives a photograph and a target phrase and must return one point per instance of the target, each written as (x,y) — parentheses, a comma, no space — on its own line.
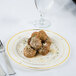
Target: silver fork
(2,72)
(8,65)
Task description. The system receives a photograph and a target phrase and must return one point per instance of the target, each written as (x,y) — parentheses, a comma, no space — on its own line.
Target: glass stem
(41,19)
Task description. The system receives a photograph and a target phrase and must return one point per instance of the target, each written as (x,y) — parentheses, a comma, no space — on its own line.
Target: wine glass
(43,6)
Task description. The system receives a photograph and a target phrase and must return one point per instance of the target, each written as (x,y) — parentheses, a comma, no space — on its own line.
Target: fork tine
(1,43)
(1,47)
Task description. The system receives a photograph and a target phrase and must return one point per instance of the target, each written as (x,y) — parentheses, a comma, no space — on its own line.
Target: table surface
(16,15)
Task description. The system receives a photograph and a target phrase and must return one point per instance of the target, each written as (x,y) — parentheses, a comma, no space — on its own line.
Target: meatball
(35,34)
(48,41)
(29,41)
(35,43)
(44,49)
(29,52)
(38,43)
(42,35)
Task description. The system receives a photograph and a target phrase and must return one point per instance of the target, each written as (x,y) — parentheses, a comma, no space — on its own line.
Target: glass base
(42,23)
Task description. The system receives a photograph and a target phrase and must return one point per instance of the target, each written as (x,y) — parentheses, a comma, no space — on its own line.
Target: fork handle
(2,72)
(10,70)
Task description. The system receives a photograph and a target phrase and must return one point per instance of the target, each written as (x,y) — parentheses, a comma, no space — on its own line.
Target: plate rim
(37,67)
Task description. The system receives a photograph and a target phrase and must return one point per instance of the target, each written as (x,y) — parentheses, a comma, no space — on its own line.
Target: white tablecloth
(15,16)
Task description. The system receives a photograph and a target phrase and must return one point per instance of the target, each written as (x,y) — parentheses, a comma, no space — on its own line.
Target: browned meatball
(48,41)
(29,41)
(44,49)
(29,52)
(35,43)
(42,35)
(38,42)
(35,34)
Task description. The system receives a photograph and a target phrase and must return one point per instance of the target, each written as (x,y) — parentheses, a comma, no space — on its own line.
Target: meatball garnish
(35,43)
